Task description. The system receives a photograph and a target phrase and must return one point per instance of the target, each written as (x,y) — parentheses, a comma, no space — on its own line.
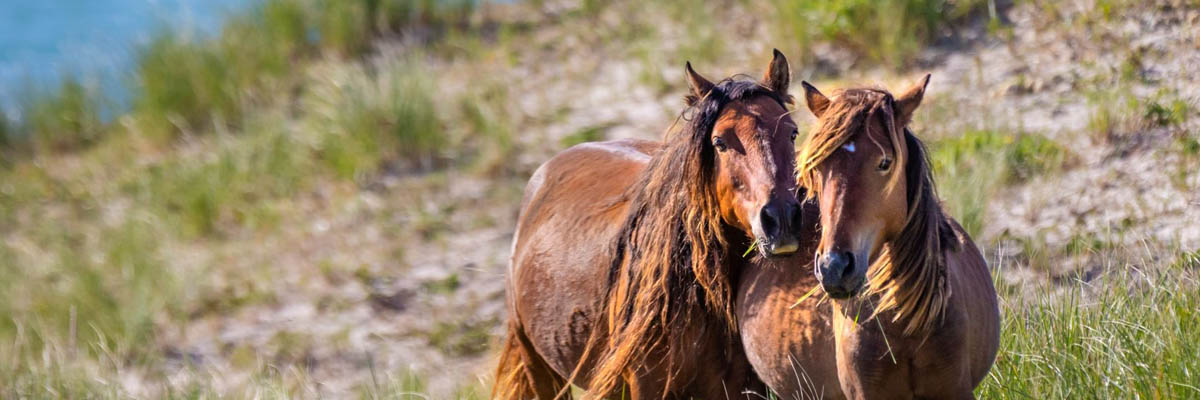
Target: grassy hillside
(318,201)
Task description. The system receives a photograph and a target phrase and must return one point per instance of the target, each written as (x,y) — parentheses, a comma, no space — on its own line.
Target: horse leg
(877,385)
(522,373)
(960,394)
(642,386)
(736,383)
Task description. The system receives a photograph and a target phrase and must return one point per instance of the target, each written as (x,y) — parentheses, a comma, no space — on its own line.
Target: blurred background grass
(124,227)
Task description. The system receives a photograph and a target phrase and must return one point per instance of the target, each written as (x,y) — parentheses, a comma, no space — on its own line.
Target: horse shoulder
(965,264)
(974,296)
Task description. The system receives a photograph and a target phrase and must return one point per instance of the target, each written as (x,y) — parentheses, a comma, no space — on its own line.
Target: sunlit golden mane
(909,277)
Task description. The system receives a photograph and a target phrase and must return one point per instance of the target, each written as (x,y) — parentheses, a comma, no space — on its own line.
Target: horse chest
(877,362)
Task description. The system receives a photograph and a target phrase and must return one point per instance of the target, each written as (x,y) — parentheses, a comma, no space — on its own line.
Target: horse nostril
(849,269)
(797,217)
(770,223)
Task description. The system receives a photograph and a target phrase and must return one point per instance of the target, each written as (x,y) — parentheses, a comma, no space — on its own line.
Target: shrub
(969,168)
(347,27)
(66,119)
(1119,115)
(181,84)
(233,187)
(184,83)
(344,26)
(1024,155)
(1166,112)
(6,131)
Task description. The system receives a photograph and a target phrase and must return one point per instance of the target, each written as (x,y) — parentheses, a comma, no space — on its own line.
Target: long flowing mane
(668,267)
(909,276)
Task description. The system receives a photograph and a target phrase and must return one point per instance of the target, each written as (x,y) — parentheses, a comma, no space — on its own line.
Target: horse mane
(909,276)
(668,267)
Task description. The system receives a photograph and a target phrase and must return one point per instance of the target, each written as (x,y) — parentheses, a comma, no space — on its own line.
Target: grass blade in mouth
(805,296)
(753,245)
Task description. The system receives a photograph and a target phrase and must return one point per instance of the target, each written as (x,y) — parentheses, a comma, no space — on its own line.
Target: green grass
(188,84)
(223,134)
(6,132)
(1168,111)
(405,385)
(363,118)
(1188,260)
(185,83)
(589,134)
(1119,115)
(93,305)
(226,132)
(889,31)
(1135,334)
(88,294)
(116,288)
(234,186)
(970,168)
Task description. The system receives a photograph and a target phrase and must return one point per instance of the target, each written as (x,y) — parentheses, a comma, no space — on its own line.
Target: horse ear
(908,101)
(698,85)
(778,76)
(817,102)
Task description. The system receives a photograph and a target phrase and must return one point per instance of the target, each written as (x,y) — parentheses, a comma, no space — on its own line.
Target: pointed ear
(778,76)
(817,102)
(908,101)
(699,87)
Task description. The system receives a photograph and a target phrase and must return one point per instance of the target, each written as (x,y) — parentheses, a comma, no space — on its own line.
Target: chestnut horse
(619,281)
(913,311)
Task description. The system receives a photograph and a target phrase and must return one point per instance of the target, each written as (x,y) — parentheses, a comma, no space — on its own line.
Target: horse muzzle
(778,221)
(781,248)
(840,274)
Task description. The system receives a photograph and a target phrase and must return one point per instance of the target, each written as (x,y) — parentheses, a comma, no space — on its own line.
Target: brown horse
(620,280)
(913,311)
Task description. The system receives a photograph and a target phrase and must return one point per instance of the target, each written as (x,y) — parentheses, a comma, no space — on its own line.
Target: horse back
(572,208)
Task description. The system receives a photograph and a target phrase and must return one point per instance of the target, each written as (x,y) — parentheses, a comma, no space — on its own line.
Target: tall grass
(889,31)
(363,116)
(183,82)
(94,307)
(234,185)
(187,83)
(85,295)
(114,290)
(349,121)
(1134,334)
(66,117)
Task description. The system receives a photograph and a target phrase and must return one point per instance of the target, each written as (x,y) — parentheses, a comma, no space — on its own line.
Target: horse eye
(884,164)
(719,143)
(795,132)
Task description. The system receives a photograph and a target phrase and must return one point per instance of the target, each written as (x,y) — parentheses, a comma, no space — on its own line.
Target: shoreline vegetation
(317,200)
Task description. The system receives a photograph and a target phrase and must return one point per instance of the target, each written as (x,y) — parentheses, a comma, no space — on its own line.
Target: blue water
(42,41)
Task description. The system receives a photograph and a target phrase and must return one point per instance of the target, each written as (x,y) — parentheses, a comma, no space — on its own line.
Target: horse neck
(663,252)
(909,280)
